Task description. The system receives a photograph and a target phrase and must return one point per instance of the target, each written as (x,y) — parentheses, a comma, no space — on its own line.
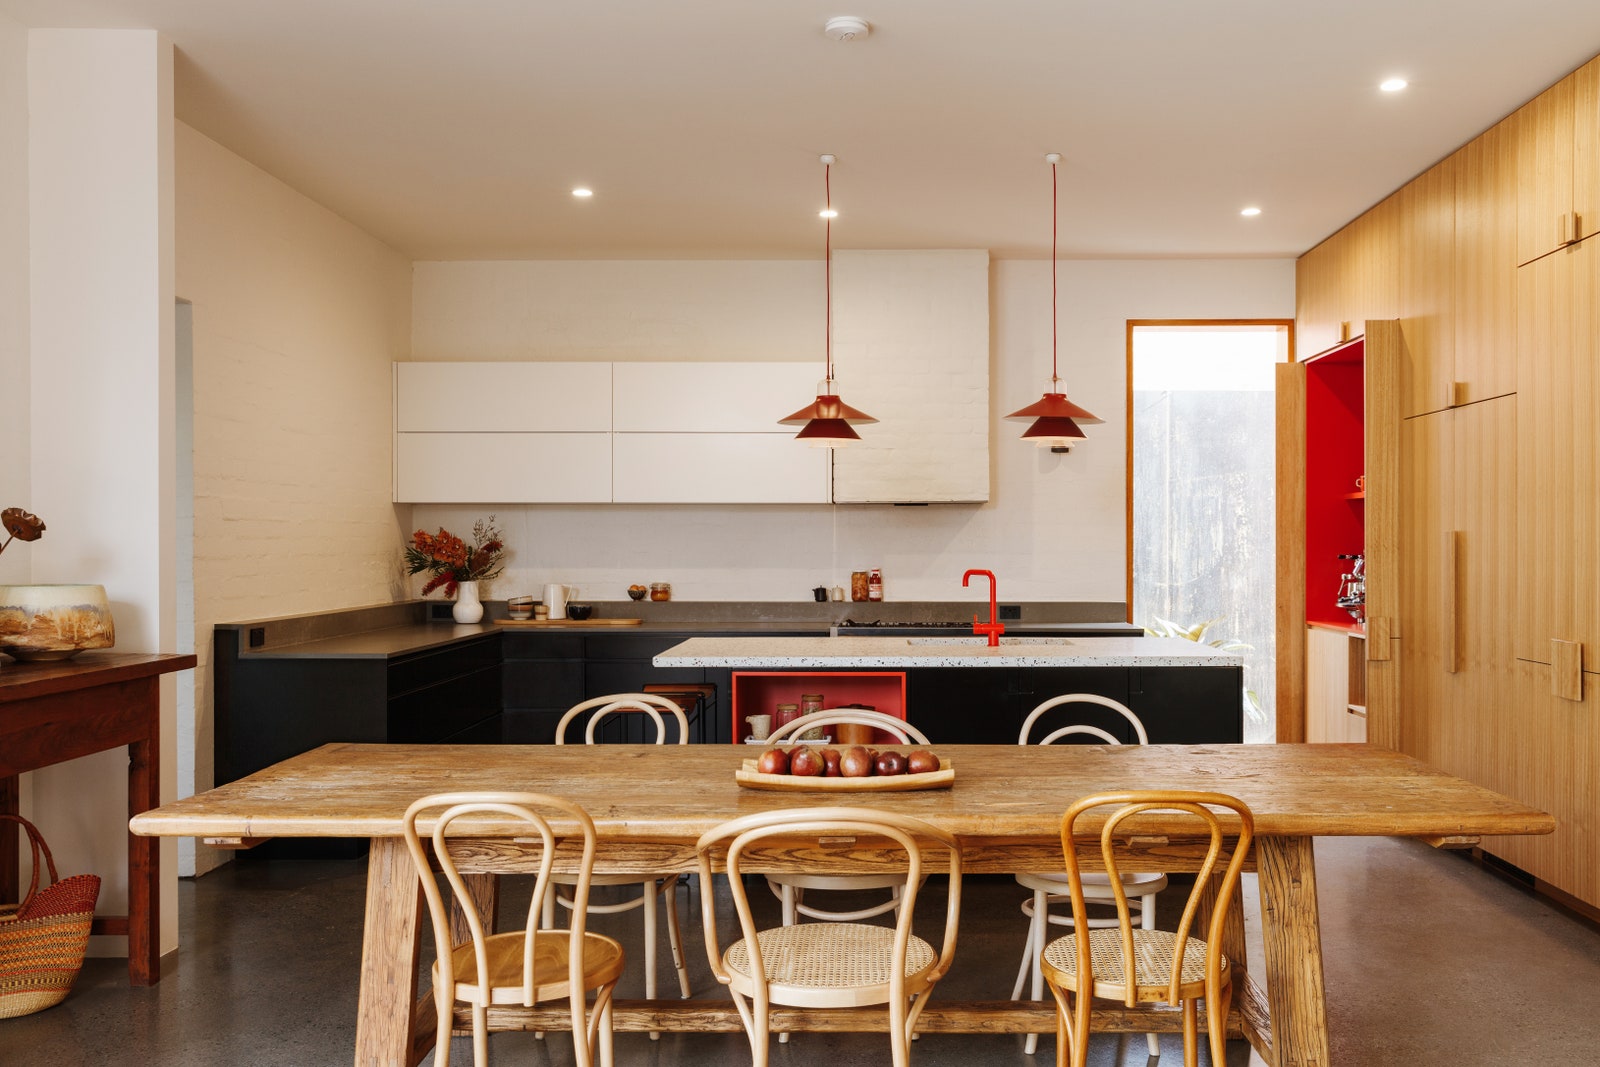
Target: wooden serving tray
(568,622)
(749,778)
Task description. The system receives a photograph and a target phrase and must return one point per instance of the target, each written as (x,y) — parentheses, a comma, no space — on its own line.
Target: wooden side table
(54,712)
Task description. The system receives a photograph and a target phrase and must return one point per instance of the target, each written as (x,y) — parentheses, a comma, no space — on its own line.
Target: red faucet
(994,627)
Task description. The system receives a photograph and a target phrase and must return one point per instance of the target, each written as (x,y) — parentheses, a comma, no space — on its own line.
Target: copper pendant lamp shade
(1055,418)
(826,421)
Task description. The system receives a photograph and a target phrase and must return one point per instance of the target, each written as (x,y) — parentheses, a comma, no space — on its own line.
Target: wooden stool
(697,699)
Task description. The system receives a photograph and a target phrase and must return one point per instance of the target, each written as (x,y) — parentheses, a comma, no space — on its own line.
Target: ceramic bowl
(579,612)
(44,622)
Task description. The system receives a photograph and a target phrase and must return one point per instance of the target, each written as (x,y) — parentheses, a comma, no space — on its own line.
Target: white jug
(555,598)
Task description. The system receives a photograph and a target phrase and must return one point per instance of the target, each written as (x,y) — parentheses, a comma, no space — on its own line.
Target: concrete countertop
(823,652)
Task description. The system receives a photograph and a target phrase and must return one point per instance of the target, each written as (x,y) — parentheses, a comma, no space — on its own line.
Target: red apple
(773,761)
(855,763)
(806,762)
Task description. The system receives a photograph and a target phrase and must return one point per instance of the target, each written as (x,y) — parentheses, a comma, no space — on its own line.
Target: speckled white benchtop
(774,652)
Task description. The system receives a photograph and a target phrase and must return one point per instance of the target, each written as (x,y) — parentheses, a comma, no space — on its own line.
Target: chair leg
(607,1045)
(1191,1034)
(1147,921)
(441,1036)
(1082,1001)
(675,938)
(480,1035)
(1037,932)
(790,898)
(899,1039)
(649,906)
(1217,1008)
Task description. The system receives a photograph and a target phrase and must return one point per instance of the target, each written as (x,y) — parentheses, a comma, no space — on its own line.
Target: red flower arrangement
(451,561)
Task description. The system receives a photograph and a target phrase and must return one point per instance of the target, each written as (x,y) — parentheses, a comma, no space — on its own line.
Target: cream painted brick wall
(297,318)
(911,349)
(1053,528)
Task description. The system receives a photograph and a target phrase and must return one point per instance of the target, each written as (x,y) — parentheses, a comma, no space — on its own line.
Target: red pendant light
(828,422)
(1055,418)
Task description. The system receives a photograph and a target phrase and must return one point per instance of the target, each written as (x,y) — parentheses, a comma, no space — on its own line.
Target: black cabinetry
(987,705)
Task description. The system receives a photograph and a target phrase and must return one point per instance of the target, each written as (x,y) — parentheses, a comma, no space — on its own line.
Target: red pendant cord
(1055,376)
(827,184)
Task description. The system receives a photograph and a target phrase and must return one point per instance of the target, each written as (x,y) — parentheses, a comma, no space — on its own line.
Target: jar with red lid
(786,714)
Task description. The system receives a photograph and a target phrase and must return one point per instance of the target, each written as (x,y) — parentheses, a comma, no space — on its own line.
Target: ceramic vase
(46,622)
(468,608)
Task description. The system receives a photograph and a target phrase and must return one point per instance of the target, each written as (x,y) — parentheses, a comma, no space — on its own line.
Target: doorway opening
(1201,500)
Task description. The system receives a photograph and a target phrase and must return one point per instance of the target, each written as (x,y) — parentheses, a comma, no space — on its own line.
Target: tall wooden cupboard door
(1485,267)
(1558,405)
(1457,535)
(1558,164)
(1427,234)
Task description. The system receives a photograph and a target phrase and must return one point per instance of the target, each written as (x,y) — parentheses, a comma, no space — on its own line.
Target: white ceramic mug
(760,726)
(555,599)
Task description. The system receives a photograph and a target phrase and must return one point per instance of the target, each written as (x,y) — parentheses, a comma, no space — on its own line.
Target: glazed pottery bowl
(44,622)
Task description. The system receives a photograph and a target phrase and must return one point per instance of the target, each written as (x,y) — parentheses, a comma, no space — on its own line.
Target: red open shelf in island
(1335,458)
(760,692)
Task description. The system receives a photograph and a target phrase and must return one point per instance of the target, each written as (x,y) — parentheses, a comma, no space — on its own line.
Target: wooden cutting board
(568,622)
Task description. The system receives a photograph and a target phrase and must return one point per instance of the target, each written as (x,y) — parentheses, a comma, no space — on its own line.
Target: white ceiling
(457,129)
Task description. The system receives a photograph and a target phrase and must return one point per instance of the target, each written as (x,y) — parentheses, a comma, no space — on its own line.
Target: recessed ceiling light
(1250,212)
(582,194)
(827,213)
(1393,85)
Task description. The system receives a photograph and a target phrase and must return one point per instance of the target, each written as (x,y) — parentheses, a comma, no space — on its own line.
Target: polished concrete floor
(1430,960)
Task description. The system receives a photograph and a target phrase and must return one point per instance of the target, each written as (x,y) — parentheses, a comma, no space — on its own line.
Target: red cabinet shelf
(758,692)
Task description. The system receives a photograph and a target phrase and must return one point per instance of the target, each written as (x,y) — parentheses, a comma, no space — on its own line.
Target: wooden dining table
(651,803)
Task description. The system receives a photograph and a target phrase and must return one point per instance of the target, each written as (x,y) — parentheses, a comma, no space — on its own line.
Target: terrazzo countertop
(776,652)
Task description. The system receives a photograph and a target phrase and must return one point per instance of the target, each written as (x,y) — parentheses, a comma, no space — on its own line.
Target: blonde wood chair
(1138,966)
(529,966)
(1050,887)
(827,964)
(652,706)
(790,888)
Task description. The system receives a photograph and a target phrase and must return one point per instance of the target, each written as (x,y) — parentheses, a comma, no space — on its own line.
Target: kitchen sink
(976,640)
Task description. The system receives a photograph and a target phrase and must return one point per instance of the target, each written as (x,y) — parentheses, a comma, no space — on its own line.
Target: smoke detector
(847,28)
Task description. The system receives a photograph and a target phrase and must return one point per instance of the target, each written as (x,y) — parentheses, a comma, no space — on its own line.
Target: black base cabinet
(987,705)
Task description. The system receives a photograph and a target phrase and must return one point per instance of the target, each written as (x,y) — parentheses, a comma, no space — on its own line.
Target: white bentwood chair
(651,706)
(1053,887)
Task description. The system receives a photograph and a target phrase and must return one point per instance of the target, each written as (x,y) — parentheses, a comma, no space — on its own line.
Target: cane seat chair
(1050,887)
(829,964)
(1139,966)
(790,888)
(651,706)
(528,966)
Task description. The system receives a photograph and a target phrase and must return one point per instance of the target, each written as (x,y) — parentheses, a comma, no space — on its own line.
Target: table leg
(1292,938)
(391,944)
(10,803)
(144,861)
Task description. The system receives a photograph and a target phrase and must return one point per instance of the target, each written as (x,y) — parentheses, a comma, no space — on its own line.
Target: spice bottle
(875,585)
(812,702)
(786,714)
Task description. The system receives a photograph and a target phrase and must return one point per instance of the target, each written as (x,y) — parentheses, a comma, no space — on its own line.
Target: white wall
(297,316)
(101,445)
(14,377)
(1054,525)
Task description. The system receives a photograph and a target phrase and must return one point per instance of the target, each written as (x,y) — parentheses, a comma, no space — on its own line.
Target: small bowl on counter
(520,607)
(579,612)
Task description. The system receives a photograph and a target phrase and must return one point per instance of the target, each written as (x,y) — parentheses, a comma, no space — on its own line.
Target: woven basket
(42,940)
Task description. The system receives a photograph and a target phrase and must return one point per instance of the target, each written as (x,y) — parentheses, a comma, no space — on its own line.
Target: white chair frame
(651,705)
(1052,887)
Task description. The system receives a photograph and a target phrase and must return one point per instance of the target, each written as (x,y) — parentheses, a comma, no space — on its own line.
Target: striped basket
(42,939)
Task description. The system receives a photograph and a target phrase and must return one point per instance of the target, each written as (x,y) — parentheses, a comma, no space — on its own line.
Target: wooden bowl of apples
(802,768)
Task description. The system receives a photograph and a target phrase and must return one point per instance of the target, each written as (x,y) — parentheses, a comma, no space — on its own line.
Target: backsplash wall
(1053,528)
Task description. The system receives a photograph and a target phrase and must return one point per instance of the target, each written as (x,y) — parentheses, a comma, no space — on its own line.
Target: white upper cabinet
(502,397)
(911,349)
(717,468)
(710,397)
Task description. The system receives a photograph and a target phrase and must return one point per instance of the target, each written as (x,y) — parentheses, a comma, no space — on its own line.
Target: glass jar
(875,584)
(812,702)
(660,591)
(858,585)
(786,714)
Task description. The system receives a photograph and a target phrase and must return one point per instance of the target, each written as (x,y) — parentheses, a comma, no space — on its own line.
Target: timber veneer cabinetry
(1497,631)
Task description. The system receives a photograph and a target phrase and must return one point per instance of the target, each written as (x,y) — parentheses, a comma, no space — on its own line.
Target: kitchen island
(961,690)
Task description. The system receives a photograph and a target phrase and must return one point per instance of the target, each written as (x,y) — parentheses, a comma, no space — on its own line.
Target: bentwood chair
(829,964)
(529,966)
(790,888)
(1050,887)
(651,706)
(1138,966)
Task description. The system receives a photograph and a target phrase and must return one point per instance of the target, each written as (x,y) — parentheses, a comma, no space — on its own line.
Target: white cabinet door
(502,397)
(710,397)
(717,468)
(493,468)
